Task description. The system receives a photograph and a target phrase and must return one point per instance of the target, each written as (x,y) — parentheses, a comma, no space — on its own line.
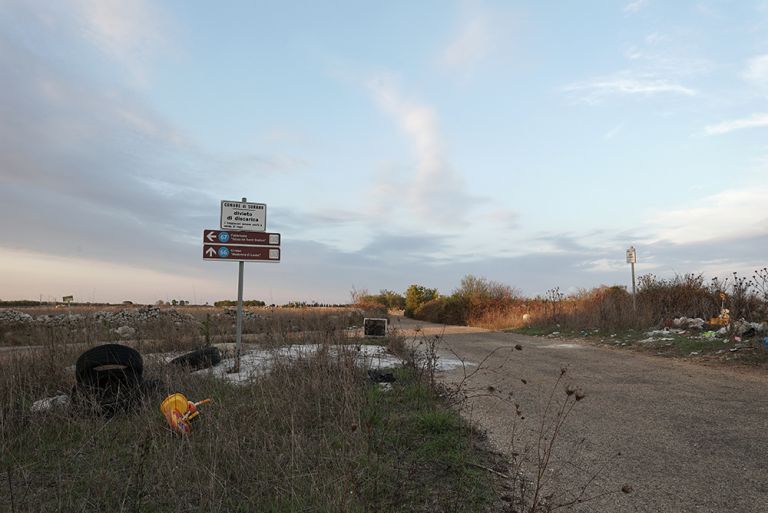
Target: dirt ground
(691,438)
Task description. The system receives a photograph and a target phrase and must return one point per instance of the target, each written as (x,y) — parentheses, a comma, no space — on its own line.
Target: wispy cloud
(737,212)
(470,46)
(757,70)
(128,32)
(435,190)
(624,84)
(635,6)
(610,134)
(754,121)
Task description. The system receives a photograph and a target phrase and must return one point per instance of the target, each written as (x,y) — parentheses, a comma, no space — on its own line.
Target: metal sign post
(239,328)
(241,237)
(632,260)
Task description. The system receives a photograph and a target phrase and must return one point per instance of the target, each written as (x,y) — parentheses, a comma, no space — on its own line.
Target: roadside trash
(374,327)
(765,343)
(109,376)
(687,323)
(58,401)
(709,334)
(179,411)
(378,376)
(200,359)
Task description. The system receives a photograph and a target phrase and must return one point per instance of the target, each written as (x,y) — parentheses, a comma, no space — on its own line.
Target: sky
(393,143)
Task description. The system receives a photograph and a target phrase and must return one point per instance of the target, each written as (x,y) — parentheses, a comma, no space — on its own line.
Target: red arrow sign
(234,253)
(240,237)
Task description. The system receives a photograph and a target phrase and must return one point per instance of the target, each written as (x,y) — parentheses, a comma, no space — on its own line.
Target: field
(312,434)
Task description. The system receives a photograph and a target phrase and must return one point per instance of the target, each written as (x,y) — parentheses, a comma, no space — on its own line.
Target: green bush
(417,295)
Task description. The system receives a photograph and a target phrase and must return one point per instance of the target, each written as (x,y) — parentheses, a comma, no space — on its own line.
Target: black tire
(108,365)
(200,359)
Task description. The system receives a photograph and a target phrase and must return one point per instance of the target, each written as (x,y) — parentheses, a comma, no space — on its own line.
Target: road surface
(691,438)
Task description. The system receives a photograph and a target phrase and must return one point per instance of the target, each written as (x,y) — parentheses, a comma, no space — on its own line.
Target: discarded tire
(109,378)
(378,376)
(200,359)
(109,364)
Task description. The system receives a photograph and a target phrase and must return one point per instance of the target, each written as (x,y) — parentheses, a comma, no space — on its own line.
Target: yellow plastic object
(178,411)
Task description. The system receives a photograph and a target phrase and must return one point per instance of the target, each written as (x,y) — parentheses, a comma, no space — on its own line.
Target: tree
(417,295)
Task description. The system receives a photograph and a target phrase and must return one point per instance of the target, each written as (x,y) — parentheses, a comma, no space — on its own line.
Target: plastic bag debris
(58,401)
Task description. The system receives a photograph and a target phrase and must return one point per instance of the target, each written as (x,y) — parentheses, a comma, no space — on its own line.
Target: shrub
(444,310)
(417,295)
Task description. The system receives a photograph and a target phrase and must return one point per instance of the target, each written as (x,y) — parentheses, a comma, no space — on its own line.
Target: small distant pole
(632,260)
(239,332)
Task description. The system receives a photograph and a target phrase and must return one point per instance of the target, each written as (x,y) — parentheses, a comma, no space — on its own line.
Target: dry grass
(312,435)
(611,308)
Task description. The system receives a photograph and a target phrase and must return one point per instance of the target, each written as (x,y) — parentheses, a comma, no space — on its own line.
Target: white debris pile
(744,328)
(254,363)
(660,335)
(50,403)
(687,323)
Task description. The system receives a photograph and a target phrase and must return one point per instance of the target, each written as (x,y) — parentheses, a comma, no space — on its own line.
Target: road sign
(67,299)
(240,237)
(240,215)
(631,255)
(233,253)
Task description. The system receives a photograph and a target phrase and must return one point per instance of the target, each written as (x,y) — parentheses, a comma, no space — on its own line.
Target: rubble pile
(143,315)
(231,313)
(123,320)
(14,317)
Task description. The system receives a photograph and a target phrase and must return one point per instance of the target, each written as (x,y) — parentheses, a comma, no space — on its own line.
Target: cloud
(128,32)
(626,84)
(435,191)
(757,70)
(92,172)
(635,6)
(739,212)
(758,120)
(470,46)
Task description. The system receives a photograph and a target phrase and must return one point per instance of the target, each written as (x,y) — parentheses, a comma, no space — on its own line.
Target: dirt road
(692,438)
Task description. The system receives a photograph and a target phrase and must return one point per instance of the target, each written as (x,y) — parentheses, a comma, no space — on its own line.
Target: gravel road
(691,438)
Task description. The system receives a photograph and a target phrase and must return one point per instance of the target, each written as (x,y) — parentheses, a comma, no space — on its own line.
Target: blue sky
(394,143)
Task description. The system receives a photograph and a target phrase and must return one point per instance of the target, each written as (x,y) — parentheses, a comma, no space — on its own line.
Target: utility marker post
(632,260)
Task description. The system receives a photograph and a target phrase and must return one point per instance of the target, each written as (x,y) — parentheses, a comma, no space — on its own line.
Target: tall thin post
(239,329)
(632,260)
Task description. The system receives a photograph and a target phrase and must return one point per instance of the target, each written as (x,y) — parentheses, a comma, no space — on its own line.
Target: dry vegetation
(484,303)
(314,434)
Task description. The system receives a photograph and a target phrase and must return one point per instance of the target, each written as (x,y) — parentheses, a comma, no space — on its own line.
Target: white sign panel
(236,215)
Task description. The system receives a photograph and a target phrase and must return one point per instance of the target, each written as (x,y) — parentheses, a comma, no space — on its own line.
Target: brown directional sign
(223,252)
(227,237)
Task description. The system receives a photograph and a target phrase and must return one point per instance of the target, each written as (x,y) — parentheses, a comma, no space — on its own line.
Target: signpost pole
(631,260)
(239,332)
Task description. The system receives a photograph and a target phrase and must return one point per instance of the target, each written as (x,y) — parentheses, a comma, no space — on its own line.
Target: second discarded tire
(200,359)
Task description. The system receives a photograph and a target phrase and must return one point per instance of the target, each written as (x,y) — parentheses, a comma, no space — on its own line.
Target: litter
(58,401)
(179,411)
(688,323)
